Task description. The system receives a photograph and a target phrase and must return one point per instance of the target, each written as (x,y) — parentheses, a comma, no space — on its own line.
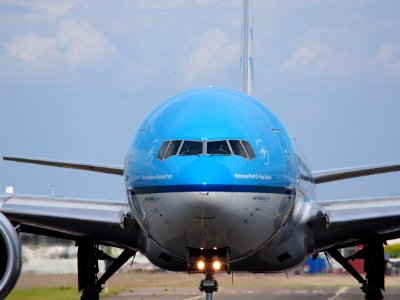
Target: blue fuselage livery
(242,199)
(214,184)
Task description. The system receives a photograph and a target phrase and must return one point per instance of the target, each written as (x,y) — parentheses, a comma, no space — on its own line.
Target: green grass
(62,293)
(44,294)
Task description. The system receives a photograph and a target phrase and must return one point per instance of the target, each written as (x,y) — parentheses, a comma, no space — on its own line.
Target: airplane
(215,184)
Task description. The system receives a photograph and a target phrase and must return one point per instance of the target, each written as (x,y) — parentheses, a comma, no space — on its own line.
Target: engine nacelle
(10,257)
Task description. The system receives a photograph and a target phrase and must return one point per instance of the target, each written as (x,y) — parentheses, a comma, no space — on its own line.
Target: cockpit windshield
(191,148)
(249,149)
(221,147)
(172,148)
(163,148)
(237,148)
(218,148)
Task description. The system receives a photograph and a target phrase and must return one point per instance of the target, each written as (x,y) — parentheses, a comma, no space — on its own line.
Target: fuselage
(213,168)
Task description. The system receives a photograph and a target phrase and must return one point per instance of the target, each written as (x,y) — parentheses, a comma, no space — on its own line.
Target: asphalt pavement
(328,293)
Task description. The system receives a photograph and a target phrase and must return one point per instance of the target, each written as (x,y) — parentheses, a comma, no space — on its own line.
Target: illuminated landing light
(216,265)
(200,265)
(215,248)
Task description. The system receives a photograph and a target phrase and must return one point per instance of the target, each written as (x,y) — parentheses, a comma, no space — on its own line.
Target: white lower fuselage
(215,169)
(262,231)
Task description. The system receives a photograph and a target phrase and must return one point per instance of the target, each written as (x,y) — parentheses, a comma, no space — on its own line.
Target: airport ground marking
(339,292)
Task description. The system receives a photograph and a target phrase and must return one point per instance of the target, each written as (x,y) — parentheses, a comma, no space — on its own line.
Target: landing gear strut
(88,267)
(209,285)
(374,267)
(208,262)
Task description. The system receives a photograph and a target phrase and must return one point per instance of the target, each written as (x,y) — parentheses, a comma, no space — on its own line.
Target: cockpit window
(173,148)
(218,148)
(191,148)
(237,148)
(223,147)
(249,149)
(163,148)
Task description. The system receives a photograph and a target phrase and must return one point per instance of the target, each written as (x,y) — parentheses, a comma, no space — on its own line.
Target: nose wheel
(209,285)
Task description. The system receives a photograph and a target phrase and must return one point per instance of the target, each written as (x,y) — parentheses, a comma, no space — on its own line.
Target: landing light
(216,265)
(200,265)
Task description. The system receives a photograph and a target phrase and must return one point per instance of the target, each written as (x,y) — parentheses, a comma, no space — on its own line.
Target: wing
(107,222)
(346,173)
(116,170)
(354,220)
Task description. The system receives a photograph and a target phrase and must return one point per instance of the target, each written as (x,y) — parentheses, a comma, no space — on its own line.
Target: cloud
(75,43)
(80,43)
(51,7)
(313,56)
(215,42)
(385,53)
(32,47)
(387,57)
(175,4)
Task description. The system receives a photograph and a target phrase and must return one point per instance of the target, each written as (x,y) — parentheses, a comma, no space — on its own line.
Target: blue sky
(77,78)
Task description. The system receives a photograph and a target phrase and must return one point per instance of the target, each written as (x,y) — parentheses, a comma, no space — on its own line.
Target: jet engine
(10,257)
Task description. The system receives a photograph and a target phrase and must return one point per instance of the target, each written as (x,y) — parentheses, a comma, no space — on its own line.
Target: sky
(78,77)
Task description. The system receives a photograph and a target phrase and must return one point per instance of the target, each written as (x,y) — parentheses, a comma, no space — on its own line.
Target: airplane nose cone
(208,185)
(204,171)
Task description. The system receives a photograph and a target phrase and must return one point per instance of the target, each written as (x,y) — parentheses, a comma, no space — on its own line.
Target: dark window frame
(161,152)
(175,151)
(191,141)
(219,141)
(230,142)
(249,153)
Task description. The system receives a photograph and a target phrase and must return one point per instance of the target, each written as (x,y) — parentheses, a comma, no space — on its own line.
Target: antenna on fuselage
(247,43)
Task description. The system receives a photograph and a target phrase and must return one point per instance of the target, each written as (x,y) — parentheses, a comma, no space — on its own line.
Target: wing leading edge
(106,221)
(353,172)
(353,221)
(108,169)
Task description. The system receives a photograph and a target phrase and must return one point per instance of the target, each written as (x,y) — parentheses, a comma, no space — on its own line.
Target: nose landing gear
(208,262)
(209,285)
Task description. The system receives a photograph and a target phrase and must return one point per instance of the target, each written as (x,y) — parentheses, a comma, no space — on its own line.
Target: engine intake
(10,257)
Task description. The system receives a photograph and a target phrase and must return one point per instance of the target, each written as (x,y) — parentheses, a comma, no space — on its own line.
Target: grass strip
(60,293)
